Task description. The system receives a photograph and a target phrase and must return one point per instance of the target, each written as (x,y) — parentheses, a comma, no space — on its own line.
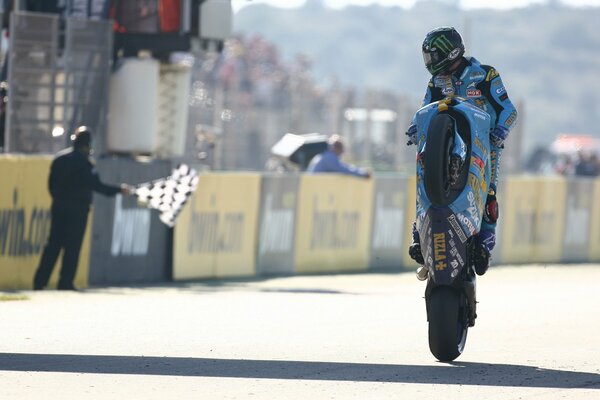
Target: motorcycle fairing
(443,244)
(468,207)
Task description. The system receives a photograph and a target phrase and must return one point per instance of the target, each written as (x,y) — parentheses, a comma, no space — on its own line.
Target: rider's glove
(412,134)
(498,136)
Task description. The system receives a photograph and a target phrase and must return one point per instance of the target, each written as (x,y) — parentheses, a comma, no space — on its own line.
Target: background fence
(58,76)
(250,224)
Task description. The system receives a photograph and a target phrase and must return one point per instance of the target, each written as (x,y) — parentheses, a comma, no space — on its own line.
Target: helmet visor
(431,58)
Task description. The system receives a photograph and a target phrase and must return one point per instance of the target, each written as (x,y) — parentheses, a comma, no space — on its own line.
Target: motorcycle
(453,177)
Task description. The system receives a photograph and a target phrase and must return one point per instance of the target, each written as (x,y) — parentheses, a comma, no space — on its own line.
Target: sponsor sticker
(492,73)
(478,163)
(479,115)
(467,223)
(453,54)
(454,224)
(439,251)
(479,144)
(473,209)
(442,81)
(473,93)
(511,119)
(481,103)
(475,182)
(476,76)
(455,266)
(501,90)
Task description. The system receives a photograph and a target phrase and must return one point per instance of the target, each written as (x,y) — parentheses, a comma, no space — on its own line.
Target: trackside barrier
(334,224)
(389,239)
(411,212)
(533,221)
(247,224)
(497,252)
(216,233)
(129,243)
(25,222)
(277,224)
(594,249)
(578,221)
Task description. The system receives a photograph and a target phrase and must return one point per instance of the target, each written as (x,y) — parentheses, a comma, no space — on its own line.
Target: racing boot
(414,251)
(484,243)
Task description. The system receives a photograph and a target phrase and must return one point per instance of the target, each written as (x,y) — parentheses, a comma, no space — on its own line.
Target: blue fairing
(468,207)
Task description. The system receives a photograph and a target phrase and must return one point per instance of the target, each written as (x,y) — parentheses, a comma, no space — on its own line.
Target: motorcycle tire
(447,325)
(440,140)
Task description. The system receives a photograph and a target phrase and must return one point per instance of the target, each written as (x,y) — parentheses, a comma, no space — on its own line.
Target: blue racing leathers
(482,86)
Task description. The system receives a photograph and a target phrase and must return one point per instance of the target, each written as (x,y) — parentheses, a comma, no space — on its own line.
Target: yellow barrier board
(411,212)
(533,220)
(552,194)
(25,223)
(216,233)
(334,223)
(594,249)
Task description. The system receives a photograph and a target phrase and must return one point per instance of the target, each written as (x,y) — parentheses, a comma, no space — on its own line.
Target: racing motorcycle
(453,177)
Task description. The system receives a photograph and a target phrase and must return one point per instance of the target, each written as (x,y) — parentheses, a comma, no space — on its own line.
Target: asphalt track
(314,337)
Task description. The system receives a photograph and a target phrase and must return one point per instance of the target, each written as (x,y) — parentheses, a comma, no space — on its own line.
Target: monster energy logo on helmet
(440,48)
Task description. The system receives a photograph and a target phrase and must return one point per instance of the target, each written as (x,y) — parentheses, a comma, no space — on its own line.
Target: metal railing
(58,79)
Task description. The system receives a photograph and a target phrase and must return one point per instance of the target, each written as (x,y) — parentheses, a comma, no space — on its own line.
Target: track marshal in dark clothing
(71,182)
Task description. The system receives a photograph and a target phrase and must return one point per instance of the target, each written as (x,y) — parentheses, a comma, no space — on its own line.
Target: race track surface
(312,337)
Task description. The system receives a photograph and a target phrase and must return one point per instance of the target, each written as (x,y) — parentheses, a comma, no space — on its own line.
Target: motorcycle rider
(454,74)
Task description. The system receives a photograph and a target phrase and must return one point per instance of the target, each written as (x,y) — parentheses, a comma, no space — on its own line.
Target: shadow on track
(460,373)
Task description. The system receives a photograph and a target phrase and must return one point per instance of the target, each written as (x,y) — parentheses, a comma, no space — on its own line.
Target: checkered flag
(168,195)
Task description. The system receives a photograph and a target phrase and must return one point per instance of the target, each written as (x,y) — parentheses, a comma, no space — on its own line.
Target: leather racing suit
(482,86)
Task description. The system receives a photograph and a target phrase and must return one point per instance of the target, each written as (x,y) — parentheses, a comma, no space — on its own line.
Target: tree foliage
(548,54)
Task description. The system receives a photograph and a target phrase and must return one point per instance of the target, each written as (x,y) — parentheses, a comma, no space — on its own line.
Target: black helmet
(82,137)
(441,47)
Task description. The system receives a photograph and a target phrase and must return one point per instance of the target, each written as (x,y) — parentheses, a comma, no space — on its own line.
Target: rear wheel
(447,323)
(440,141)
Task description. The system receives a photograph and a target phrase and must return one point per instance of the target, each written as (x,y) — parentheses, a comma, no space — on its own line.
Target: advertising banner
(216,233)
(277,224)
(25,223)
(129,242)
(578,218)
(502,218)
(552,194)
(411,213)
(389,241)
(334,223)
(594,249)
(533,220)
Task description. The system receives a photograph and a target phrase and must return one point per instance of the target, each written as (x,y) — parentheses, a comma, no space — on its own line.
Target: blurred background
(246,92)
(230,78)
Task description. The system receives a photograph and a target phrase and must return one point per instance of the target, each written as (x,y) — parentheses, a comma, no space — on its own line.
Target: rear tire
(440,140)
(447,323)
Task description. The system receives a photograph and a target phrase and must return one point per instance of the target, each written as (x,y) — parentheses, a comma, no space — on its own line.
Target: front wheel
(447,325)
(438,151)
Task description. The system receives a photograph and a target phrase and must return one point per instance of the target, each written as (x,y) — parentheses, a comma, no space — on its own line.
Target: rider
(454,74)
